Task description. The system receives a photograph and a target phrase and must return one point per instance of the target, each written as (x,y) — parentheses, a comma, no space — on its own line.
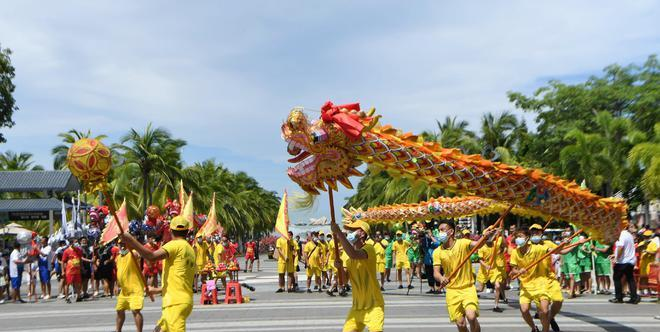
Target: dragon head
(321,148)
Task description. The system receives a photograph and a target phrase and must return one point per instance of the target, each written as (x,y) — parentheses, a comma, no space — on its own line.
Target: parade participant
(602,268)
(329,258)
(429,244)
(85,266)
(511,246)
(71,260)
(323,247)
(388,255)
(495,274)
(45,259)
(59,269)
(312,259)
(461,295)
(250,255)
(285,251)
(414,255)
(201,249)
(584,256)
(553,288)
(178,275)
(399,249)
(297,252)
(380,251)
(648,250)
(105,266)
(367,308)
(132,288)
(16,266)
(151,269)
(570,267)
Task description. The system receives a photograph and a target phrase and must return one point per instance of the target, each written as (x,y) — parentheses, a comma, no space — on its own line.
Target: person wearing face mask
(388,255)
(201,249)
(332,271)
(367,308)
(380,250)
(399,249)
(71,260)
(570,265)
(461,295)
(312,255)
(536,283)
(494,274)
(132,288)
(323,246)
(553,288)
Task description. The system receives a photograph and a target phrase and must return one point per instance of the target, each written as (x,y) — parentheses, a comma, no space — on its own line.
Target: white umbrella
(13,229)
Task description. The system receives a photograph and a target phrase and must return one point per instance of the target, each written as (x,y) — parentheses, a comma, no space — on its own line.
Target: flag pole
(336,249)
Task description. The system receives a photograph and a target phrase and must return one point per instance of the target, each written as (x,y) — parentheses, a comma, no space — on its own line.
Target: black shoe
(411,287)
(330,293)
(536,316)
(634,300)
(554,325)
(280,290)
(309,291)
(615,301)
(316,287)
(321,291)
(431,291)
(382,289)
(343,293)
(535,329)
(400,287)
(496,309)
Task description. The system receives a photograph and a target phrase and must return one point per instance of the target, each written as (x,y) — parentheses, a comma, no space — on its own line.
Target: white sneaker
(46,297)
(2,301)
(95,294)
(61,296)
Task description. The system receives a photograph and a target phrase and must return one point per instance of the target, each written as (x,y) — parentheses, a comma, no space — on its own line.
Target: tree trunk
(145,189)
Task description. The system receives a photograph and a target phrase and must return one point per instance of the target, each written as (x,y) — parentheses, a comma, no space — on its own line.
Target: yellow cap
(358,224)
(465,232)
(179,223)
(536,226)
(648,233)
(399,233)
(321,233)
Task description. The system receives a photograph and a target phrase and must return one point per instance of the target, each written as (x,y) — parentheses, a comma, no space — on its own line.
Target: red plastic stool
(233,293)
(205,298)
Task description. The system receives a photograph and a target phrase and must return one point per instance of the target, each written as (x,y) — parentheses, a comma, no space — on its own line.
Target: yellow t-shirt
(217,253)
(128,275)
(324,253)
(401,249)
(648,256)
(201,251)
(486,252)
(313,253)
(380,251)
(284,247)
(365,289)
(521,260)
(545,265)
(449,260)
(331,252)
(178,273)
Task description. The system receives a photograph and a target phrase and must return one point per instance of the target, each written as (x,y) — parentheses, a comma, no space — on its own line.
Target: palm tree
(59,152)
(155,155)
(502,130)
(11,161)
(586,158)
(646,156)
(454,134)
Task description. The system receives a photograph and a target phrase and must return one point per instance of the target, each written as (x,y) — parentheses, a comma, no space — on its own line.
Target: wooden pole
(336,248)
(547,225)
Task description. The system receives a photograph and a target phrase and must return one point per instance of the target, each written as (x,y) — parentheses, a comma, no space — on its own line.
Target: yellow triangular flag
(282,222)
(211,225)
(182,194)
(187,211)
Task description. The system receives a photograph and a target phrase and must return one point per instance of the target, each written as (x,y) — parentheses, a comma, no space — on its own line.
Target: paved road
(268,311)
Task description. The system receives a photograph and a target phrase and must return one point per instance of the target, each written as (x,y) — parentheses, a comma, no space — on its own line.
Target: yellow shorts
(313,271)
(461,300)
(357,320)
(281,267)
(134,302)
(554,290)
(381,267)
(173,318)
(403,265)
(494,275)
(533,291)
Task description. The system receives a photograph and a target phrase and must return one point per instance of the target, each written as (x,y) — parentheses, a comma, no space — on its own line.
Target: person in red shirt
(151,269)
(71,259)
(250,254)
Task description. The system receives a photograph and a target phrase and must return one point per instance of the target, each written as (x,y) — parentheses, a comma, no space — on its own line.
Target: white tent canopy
(13,229)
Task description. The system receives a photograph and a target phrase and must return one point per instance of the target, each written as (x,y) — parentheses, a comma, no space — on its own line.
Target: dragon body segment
(329,149)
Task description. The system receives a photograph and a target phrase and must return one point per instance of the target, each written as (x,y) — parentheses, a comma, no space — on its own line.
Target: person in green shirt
(602,267)
(414,255)
(570,267)
(388,255)
(585,263)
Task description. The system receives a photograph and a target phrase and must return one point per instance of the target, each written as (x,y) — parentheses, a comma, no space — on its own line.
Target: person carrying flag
(178,275)
(367,308)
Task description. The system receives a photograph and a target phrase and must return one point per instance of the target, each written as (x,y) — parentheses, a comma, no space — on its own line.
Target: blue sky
(223,75)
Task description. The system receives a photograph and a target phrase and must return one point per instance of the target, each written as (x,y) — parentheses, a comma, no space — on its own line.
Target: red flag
(112,231)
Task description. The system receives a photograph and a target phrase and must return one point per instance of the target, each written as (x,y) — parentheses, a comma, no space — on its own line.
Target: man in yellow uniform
(285,251)
(132,288)
(367,308)
(201,249)
(312,255)
(323,245)
(380,250)
(178,275)
(461,295)
(399,249)
(492,269)
(553,288)
(648,250)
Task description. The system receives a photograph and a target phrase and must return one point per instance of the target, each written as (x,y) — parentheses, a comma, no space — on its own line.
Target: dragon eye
(319,135)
